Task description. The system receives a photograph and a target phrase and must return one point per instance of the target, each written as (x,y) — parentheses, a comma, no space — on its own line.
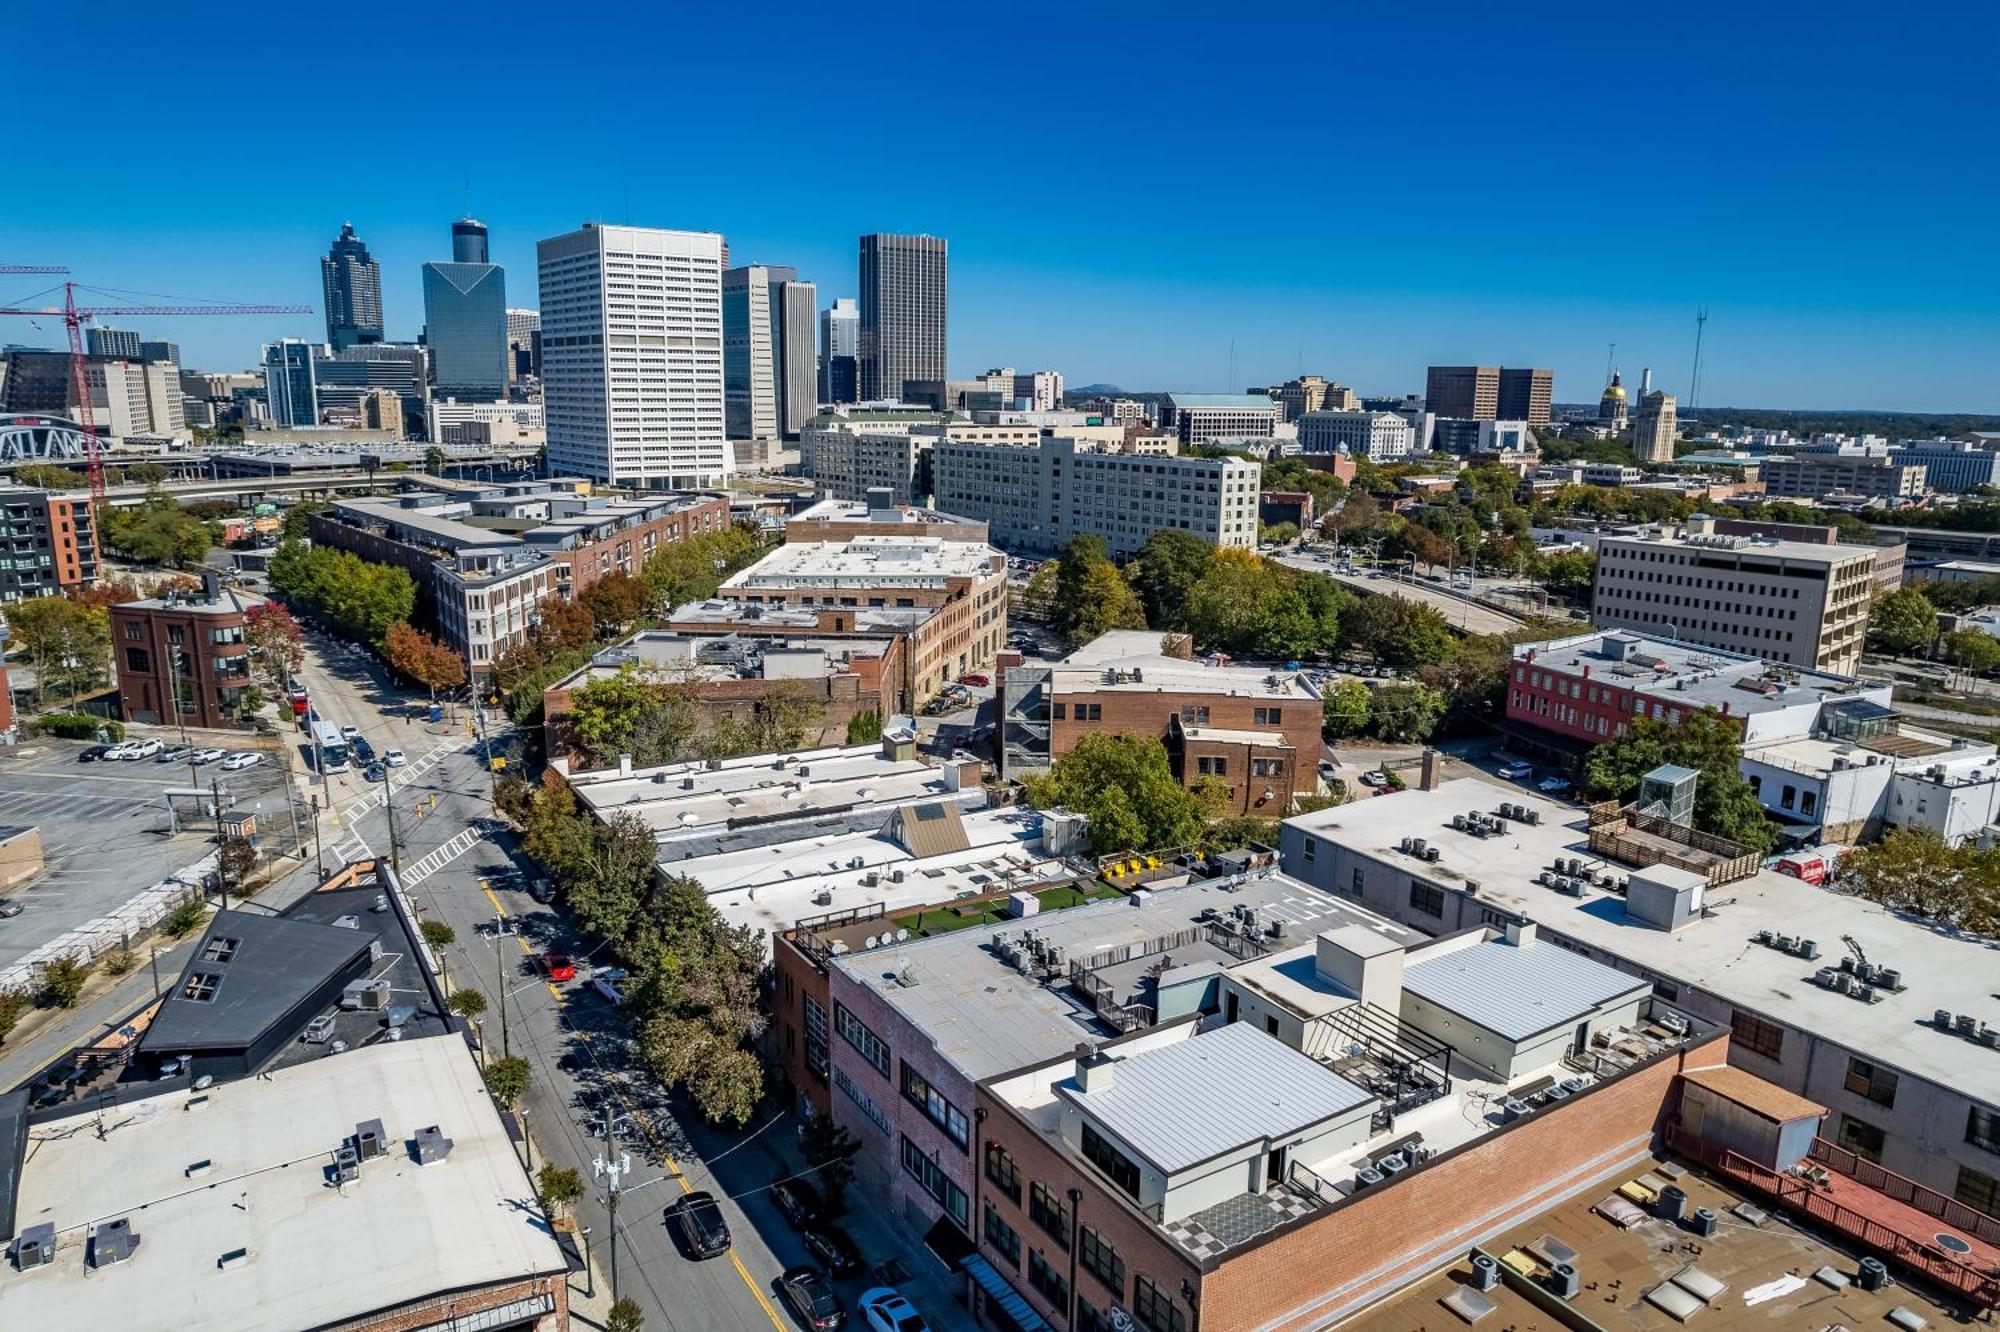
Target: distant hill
(1855,421)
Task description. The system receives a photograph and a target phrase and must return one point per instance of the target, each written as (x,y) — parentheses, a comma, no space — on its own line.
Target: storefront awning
(1005,1296)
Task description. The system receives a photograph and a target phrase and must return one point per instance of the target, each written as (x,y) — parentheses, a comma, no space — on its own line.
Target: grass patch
(991,911)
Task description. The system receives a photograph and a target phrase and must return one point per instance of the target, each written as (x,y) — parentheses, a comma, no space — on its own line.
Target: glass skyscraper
(353,286)
(465,320)
(290,384)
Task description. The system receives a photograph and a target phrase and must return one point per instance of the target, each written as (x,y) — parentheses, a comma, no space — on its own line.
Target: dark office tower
(468,241)
(1469,391)
(118,342)
(353,285)
(1525,395)
(903,312)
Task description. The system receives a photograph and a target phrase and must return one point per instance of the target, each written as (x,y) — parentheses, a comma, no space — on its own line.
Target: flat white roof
(1516,991)
(317,1255)
(1129,651)
(1716,952)
(886,561)
(1800,552)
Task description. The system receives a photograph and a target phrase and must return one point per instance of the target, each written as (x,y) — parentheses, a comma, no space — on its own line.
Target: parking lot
(106,831)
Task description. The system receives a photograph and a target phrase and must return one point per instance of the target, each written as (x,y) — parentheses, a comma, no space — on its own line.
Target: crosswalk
(402,777)
(417,871)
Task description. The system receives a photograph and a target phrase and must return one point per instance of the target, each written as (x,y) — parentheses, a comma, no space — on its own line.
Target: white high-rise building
(632,355)
(840,328)
(750,350)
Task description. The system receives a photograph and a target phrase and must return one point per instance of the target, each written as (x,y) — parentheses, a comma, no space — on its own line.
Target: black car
(362,749)
(800,1203)
(698,1217)
(832,1248)
(92,754)
(811,1296)
(376,773)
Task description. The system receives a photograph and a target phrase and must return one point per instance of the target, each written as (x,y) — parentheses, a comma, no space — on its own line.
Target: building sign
(860,1098)
(1122,1321)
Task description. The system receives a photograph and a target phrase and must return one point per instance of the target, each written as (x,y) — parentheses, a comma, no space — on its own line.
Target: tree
(1089,596)
(1706,741)
(278,642)
(507,1080)
(1570,573)
(184,918)
(416,654)
(298,519)
(1914,870)
(437,934)
(434,460)
(1344,709)
(47,476)
(561,626)
(13,1003)
(468,1004)
(62,981)
(1473,675)
(829,1150)
(694,569)
(359,598)
(1127,787)
(864,728)
(1974,649)
(1165,571)
(236,859)
(1406,712)
(158,531)
(1903,622)
(1399,632)
(604,713)
(559,1187)
(68,642)
(615,601)
(625,1316)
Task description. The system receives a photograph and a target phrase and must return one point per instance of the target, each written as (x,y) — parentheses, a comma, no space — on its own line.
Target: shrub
(436,933)
(119,961)
(13,1003)
(62,982)
(184,917)
(78,726)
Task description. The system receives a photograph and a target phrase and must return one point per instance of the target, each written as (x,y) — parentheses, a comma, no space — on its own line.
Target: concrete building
(632,356)
(913,630)
(487,424)
(1467,438)
(1719,939)
(187,646)
(852,451)
(1312,393)
(1815,475)
(1376,436)
(840,352)
(879,515)
(50,544)
(381,409)
(1037,497)
(465,319)
(1198,418)
(291,385)
(1801,604)
(151,350)
(1524,396)
(1653,430)
(116,343)
(1251,731)
(341,379)
(351,282)
(524,345)
(1489,392)
(1952,466)
(752,316)
(904,309)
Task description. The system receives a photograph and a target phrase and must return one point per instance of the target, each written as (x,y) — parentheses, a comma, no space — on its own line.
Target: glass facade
(465,326)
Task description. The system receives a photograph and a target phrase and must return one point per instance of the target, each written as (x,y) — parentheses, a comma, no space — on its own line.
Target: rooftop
(858,511)
(695,658)
(874,561)
(1130,660)
(1798,552)
(249,1170)
(1261,401)
(1516,992)
(246,975)
(1696,676)
(866,619)
(1718,950)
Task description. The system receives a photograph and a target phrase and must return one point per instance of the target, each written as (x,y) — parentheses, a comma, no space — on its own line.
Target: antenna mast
(1694,379)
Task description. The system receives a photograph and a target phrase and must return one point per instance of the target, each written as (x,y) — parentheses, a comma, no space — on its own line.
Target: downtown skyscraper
(632,355)
(768,363)
(465,319)
(903,312)
(353,285)
(840,351)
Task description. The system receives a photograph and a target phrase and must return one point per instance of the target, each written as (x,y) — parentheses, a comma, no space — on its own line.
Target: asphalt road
(1462,614)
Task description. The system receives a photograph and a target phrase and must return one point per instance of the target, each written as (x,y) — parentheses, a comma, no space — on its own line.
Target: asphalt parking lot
(105,830)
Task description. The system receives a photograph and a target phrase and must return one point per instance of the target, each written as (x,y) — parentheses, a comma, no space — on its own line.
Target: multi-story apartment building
(1199,417)
(851,451)
(1489,392)
(291,384)
(878,515)
(1250,732)
(48,544)
(1811,475)
(965,582)
(1952,466)
(1376,436)
(1038,497)
(589,538)
(186,646)
(904,312)
(632,355)
(1788,601)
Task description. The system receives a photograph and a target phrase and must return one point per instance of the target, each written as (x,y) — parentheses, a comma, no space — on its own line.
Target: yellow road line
(646,1128)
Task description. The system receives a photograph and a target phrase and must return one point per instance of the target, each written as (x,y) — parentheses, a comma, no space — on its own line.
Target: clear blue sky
(1353,190)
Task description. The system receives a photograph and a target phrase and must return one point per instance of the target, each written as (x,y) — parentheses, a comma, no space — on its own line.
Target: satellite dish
(902,935)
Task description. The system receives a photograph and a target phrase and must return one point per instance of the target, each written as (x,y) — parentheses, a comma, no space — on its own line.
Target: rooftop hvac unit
(1367,1177)
(1418,846)
(35,1246)
(1534,817)
(112,1242)
(1941,1017)
(1572,1085)
(1824,977)
(1392,1165)
(1458,822)
(346,1164)
(1764,937)
(371,1139)
(432,1145)
(1499,827)
(1431,854)
(1989,1036)
(687,783)
(1555,1094)
(1572,887)
(1966,1024)
(1889,978)
(1564,1282)
(1512,1109)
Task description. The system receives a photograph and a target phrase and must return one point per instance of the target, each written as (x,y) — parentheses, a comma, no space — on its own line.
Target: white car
(350,732)
(144,748)
(888,1311)
(605,982)
(126,751)
(1374,777)
(1555,785)
(394,758)
(237,762)
(1514,769)
(210,755)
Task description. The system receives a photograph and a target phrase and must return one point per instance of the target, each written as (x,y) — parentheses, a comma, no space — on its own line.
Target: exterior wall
(626,550)
(1141,712)
(843,695)
(50,544)
(1811,477)
(1848,803)
(846,529)
(212,673)
(894,680)
(800,1056)
(448,1309)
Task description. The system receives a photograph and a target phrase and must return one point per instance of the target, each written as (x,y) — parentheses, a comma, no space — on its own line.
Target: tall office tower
(632,355)
(1653,428)
(170,352)
(1525,395)
(468,241)
(523,330)
(118,342)
(353,286)
(798,397)
(750,322)
(465,319)
(903,312)
(839,351)
(290,386)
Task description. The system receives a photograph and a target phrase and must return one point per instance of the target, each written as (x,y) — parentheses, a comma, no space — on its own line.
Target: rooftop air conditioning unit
(1431,854)
(1367,1177)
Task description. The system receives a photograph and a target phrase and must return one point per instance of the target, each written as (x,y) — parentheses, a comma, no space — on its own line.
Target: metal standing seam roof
(275,963)
(1516,992)
(1188,1102)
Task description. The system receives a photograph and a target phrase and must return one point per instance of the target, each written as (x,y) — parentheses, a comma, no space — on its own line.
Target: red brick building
(191,642)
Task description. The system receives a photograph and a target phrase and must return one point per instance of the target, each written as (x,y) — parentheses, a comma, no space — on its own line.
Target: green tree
(47,476)
(1165,572)
(62,981)
(1903,622)
(1089,596)
(615,601)
(13,1004)
(864,728)
(68,642)
(1569,574)
(1914,870)
(507,1080)
(298,519)
(434,460)
(694,569)
(158,531)
(468,1004)
(1401,633)
(1229,608)
(1473,675)
(361,599)
(625,1316)
(1705,741)
(1974,649)
(829,1150)
(1127,787)
(1345,708)
(558,1187)
(1406,712)
(184,918)
(605,713)
(437,934)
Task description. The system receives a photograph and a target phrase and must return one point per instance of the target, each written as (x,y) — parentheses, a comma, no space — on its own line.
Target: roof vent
(431,1145)
(233,1258)
(112,1242)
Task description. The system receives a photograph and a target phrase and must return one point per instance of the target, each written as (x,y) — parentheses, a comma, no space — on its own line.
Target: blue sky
(1130,192)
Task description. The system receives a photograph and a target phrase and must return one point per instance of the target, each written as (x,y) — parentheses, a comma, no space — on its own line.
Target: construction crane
(74,317)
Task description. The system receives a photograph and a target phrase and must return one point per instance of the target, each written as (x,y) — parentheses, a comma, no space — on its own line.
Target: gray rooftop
(1193,1100)
(1516,991)
(1182,401)
(1695,675)
(271,966)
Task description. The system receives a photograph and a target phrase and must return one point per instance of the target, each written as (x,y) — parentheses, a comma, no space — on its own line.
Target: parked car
(10,909)
(799,1201)
(239,761)
(558,966)
(698,1218)
(1374,777)
(606,983)
(350,733)
(178,754)
(394,758)
(143,749)
(93,753)
(1328,768)
(120,753)
(1555,785)
(210,755)
(887,1311)
(811,1296)
(976,681)
(1514,769)
(833,1249)
(374,772)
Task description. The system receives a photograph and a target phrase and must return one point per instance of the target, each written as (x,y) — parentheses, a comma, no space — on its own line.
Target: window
(220,949)
(1090,712)
(1311,846)
(1427,898)
(1212,766)
(1119,1168)
(138,659)
(1046,1211)
(1267,767)
(1000,1172)
(931,1175)
(1193,716)
(1979,1190)
(201,987)
(1155,1308)
(1982,1129)
(1750,1032)
(1872,1081)
(1101,1261)
(816,1060)
(855,1032)
(1047,1279)
(1268,716)
(1057,711)
(1355,882)
(1861,1138)
(919,1092)
(1002,1238)
(134,631)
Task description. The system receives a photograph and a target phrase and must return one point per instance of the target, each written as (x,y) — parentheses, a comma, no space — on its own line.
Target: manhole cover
(1952,1244)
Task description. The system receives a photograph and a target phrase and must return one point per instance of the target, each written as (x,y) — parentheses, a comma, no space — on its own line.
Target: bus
(329,749)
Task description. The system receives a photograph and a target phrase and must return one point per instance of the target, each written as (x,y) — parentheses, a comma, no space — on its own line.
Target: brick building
(878,515)
(193,642)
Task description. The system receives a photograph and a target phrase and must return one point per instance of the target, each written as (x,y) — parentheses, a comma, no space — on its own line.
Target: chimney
(624,765)
(1520,931)
(1093,1070)
(1433,771)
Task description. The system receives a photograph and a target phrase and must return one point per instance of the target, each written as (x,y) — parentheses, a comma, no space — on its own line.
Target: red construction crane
(74,317)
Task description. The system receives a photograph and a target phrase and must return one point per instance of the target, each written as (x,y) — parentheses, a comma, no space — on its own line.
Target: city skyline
(1744,131)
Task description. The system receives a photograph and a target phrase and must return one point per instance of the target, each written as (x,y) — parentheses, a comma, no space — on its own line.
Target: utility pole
(500,987)
(174,674)
(612,1167)
(389,807)
(319,861)
(485,753)
(155,950)
(221,861)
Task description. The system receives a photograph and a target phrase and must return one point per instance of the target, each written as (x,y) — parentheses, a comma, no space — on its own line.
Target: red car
(558,967)
(976,681)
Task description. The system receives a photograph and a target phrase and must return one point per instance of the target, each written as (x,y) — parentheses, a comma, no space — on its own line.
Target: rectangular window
(1982,1129)
(855,1032)
(931,1175)
(1311,846)
(919,1092)
(1090,712)
(1002,1238)
(1119,1168)
(1876,1083)
(1046,1211)
(1427,898)
(134,631)
(1750,1032)
(1155,1308)
(1048,1279)
(1978,1190)
(1057,710)
(1354,881)
(1269,716)
(1001,1174)
(1212,766)
(1861,1138)
(138,659)
(1101,1261)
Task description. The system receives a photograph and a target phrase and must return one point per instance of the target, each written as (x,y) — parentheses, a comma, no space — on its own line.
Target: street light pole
(612,1167)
